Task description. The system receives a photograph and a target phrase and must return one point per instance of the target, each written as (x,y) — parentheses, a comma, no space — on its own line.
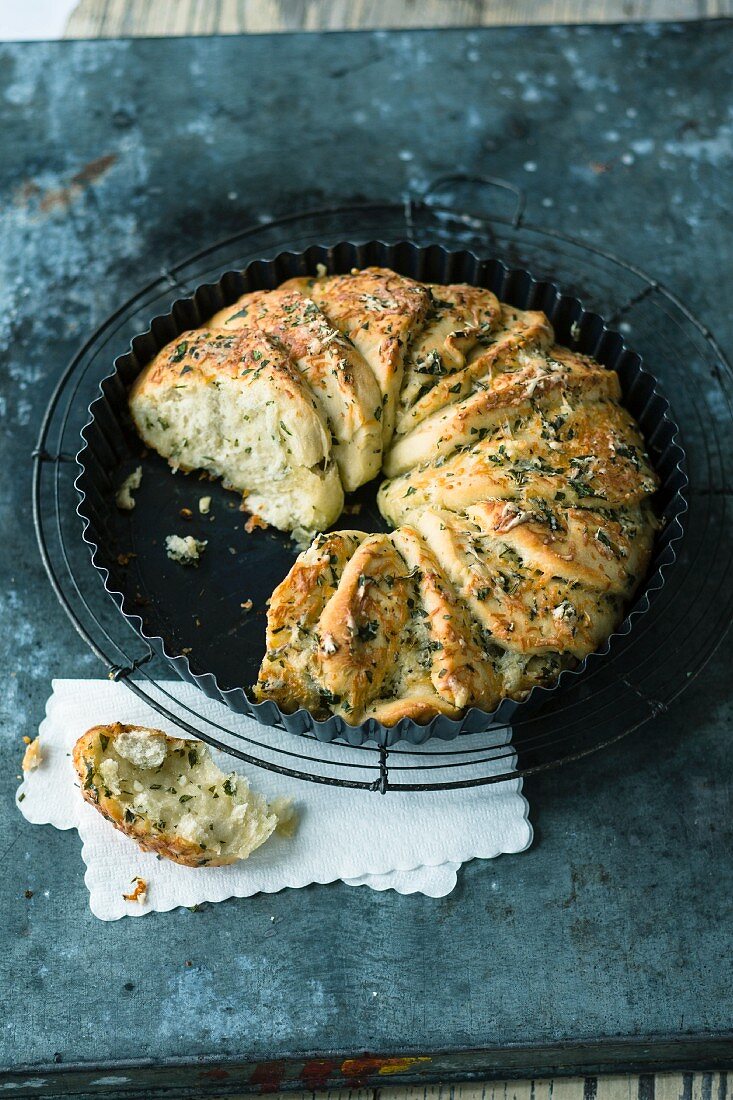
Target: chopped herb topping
(180,351)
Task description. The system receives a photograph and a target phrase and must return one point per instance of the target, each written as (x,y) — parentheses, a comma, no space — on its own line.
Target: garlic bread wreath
(517,485)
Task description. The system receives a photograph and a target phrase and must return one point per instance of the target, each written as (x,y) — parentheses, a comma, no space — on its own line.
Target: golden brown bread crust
(334,368)
(380,312)
(234,404)
(204,803)
(87,756)
(295,608)
(418,708)
(539,384)
(590,456)
(459,669)
(534,581)
(460,320)
(497,348)
(361,626)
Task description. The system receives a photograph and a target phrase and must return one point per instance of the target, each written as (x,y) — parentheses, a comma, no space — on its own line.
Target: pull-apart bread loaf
(169,796)
(517,484)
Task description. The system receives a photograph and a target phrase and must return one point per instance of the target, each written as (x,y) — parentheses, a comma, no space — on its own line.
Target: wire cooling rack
(636,681)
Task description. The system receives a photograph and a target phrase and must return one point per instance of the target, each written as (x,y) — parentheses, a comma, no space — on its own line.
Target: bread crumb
(32,757)
(186,513)
(204,505)
(255,521)
(302,537)
(186,551)
(124,498)
(140,893)
(287,818)
(247,605)
(321,270)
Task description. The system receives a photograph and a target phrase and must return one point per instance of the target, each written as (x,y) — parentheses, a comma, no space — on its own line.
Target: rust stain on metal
(60,198)
(214,1074)
(317,1073)
(366,1067)
(399,1065)
(94,169)
(268,1076)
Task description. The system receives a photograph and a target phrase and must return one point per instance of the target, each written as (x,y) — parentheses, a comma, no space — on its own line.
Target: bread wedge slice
(505,347)
(361,628)
(592,456)
(461,322)
(234,404)
(337,374)
(559,382)
(286,673)
(460,669)
(380,312)
(168,795)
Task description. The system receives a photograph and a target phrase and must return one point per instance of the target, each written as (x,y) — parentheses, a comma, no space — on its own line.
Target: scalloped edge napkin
(403,841)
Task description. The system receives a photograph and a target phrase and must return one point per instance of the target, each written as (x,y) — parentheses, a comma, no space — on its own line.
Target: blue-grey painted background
(119,157)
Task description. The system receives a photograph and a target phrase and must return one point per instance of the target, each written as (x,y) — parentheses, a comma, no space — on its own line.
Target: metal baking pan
(195,618)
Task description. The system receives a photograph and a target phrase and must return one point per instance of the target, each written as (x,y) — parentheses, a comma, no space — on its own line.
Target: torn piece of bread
(124,499)
(168,795)
(235,405)
(186,550)
(32,757)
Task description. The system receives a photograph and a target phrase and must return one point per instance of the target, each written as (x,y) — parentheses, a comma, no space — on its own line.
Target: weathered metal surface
(609,942)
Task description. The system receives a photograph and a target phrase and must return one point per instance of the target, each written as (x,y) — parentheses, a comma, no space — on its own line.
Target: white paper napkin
(412,842)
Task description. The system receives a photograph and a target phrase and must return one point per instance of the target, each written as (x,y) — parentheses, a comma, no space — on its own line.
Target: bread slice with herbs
(235,405)
(460,321)
(335,371)
(168,795)
(379,312)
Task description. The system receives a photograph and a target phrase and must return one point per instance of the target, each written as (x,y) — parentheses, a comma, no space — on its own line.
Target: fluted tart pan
(200,620)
